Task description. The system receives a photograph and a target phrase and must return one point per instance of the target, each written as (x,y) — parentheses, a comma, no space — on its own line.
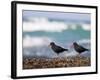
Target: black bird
(57,49)
(79,48)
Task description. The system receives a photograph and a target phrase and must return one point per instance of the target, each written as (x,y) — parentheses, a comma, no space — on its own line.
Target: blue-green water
(64,39)
(66,36)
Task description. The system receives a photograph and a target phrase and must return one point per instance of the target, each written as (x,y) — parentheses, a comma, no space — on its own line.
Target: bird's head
(74,43)
(51,44)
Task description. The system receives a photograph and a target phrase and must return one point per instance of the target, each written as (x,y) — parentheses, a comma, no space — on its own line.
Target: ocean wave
(44,24)
(84,41)
(29,41)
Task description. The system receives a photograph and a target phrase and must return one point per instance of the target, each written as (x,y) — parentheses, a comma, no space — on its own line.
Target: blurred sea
(40,40)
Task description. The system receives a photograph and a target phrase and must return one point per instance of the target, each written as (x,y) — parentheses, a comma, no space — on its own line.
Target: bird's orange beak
(49,45)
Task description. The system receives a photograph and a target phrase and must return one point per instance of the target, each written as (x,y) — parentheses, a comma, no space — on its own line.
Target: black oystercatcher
(79,48)
(57,49)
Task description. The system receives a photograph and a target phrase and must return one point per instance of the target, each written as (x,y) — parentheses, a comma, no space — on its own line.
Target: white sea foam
(37,46)
(44,24)
(84,41)
(29,41)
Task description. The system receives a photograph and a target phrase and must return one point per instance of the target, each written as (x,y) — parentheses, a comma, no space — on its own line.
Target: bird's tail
(66,49)
(87,49)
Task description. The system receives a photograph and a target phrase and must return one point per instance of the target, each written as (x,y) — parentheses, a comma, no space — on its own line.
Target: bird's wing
(81,47)
(60,48)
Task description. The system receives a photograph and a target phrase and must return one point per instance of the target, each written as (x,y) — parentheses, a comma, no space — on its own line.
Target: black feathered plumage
(57,49)
(79,48)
